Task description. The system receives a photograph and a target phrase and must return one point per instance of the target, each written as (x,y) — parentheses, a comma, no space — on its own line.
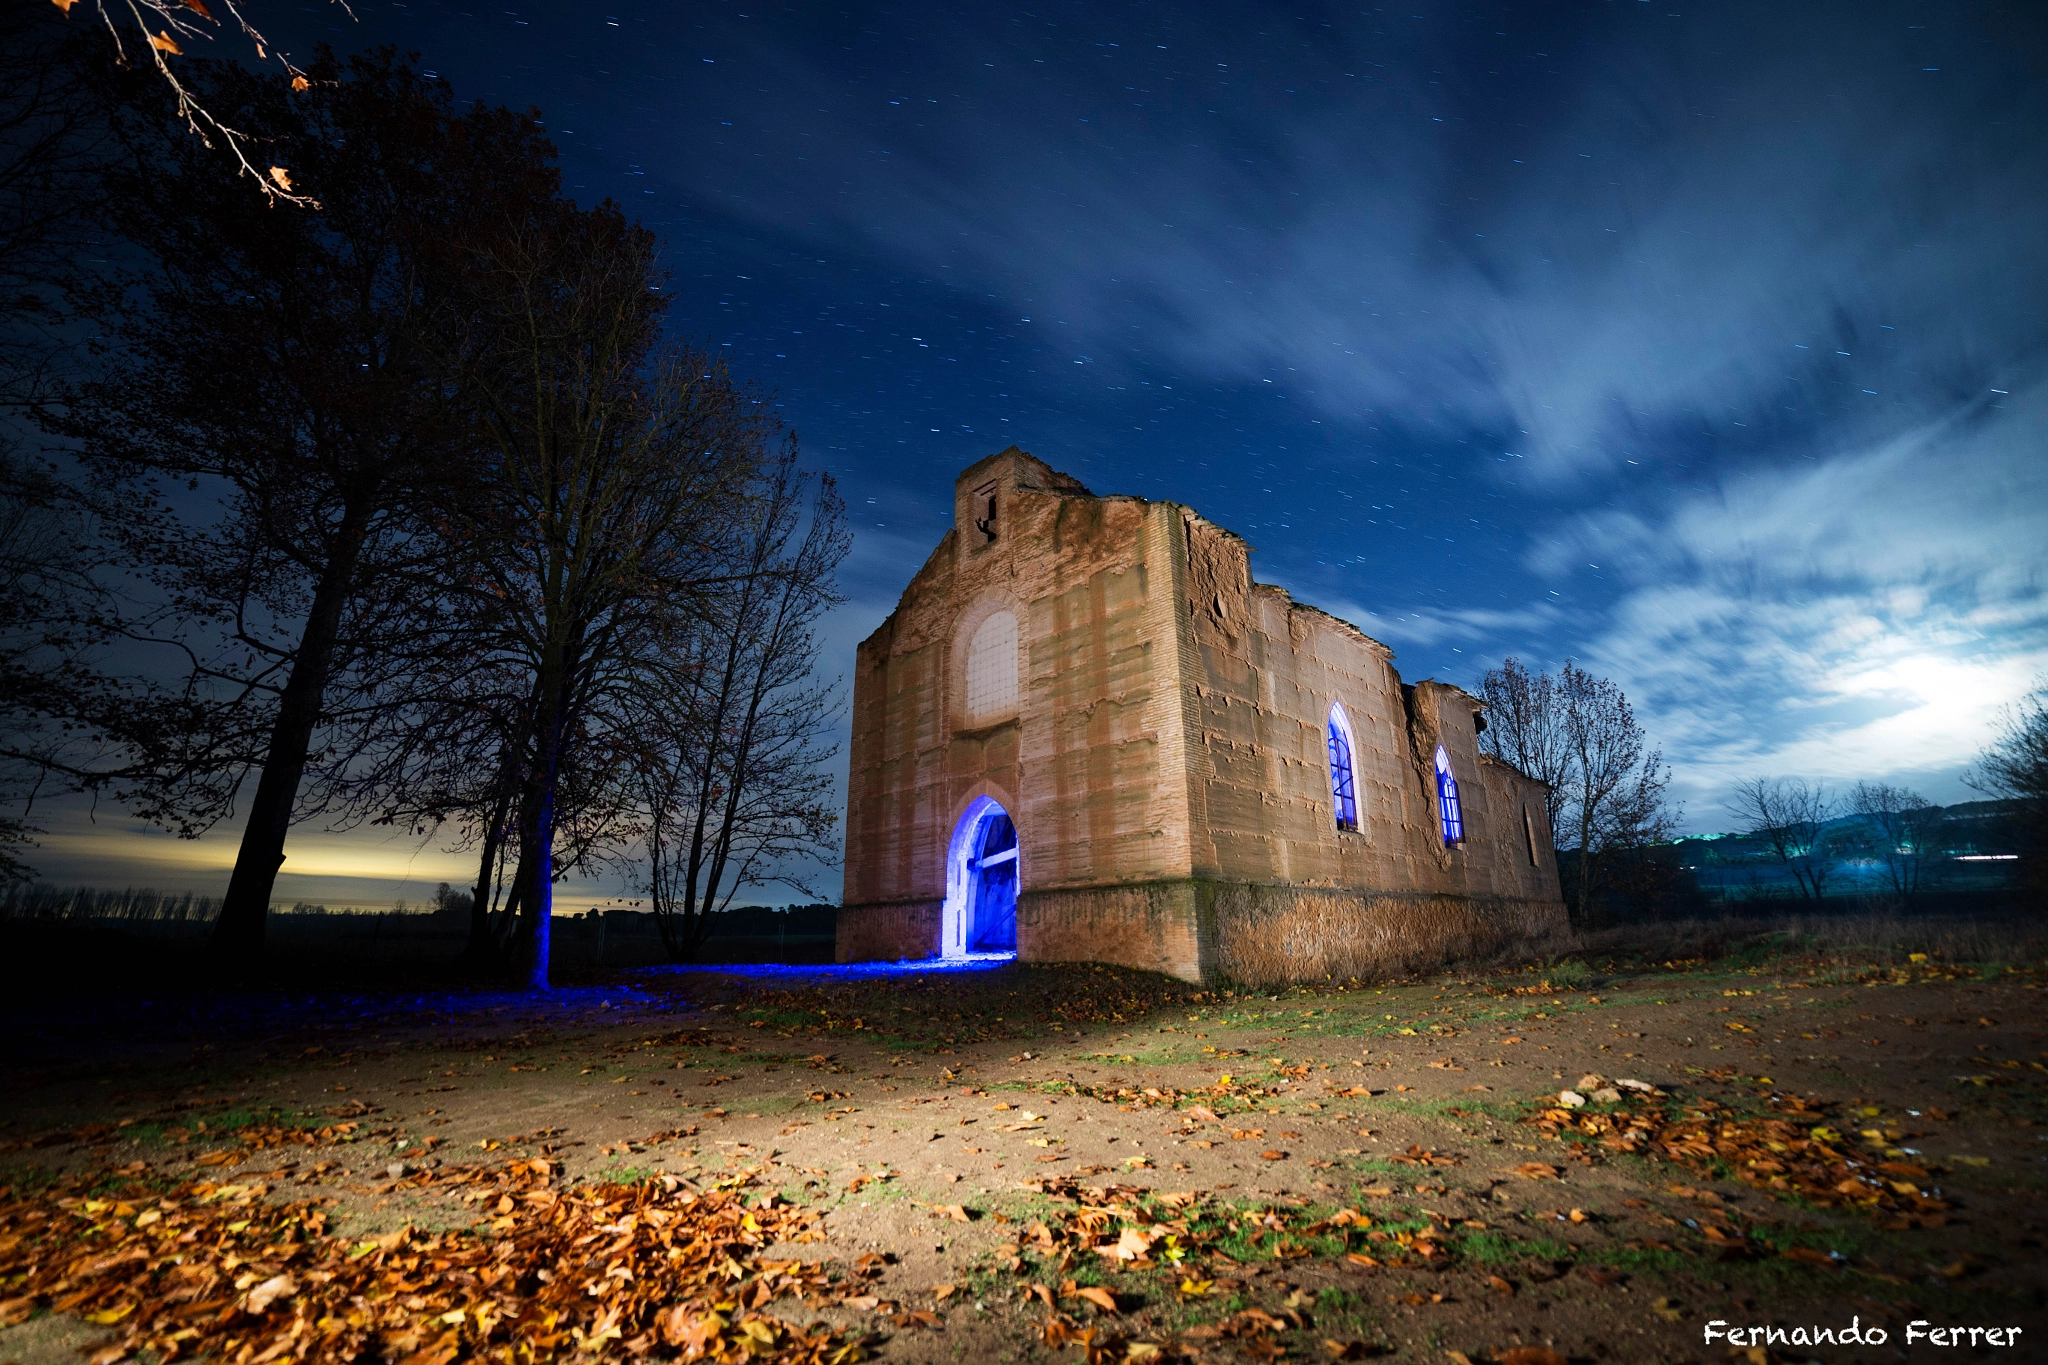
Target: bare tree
(1616,784)
(48,565)
(297,367)
(1525,728)
(53,140)
(1904,829)
(616,482)
(2015,768)
(1577,734)
(128,25)
(735,720)
(1790,816)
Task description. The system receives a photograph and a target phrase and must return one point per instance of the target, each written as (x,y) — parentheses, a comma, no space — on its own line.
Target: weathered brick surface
(1167,766)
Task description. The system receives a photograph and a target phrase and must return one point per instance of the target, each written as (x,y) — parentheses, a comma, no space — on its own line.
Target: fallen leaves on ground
(1141,1229)
(934,1011)
(1202,1105)
(1419,1155)
(242,1142)
(1789,1153)
(664,1268)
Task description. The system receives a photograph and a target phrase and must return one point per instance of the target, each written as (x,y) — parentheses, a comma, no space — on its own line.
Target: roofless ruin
(1086,734)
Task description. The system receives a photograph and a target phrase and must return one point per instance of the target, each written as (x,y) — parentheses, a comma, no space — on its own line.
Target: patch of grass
(1498,1248)
(1569,974)
(1650,1261)
(625,1175)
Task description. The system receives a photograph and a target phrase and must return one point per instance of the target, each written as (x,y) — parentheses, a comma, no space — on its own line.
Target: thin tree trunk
(1585,887)
(243,912)
(486,884)
(538,898)
(537,833)
(505,928)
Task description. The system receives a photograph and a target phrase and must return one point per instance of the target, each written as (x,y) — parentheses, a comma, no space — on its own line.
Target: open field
(1047,1163)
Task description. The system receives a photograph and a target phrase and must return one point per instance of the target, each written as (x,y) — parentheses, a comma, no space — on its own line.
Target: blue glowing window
(1447,800)
(1342,787)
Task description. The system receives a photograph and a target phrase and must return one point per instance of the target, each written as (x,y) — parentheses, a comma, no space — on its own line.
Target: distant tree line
(1614,829)
(1800,821)
(399,510)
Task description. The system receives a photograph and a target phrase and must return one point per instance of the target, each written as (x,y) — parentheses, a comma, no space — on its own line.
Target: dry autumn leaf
(199,8)
(267,1293)
(163,42)
(1131,1245)
(683,1266)
(1100,1297)
(301,84)
(282,176)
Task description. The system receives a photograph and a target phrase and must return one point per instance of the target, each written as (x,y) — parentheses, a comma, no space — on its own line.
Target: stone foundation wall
(1216,932)
(1149,925)
(891,931)
(1268,935)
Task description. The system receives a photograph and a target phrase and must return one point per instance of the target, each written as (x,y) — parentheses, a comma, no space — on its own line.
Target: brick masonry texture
(1167,766)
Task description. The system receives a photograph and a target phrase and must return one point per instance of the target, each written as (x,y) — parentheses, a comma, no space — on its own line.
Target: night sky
(1705,346)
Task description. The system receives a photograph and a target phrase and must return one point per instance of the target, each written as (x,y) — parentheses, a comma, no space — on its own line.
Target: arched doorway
(981,884)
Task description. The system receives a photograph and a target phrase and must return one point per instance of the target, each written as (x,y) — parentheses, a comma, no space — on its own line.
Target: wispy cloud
(1867,614)
(1702,247)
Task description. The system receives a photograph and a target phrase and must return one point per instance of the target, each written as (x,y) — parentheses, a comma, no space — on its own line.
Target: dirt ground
(1340,1172)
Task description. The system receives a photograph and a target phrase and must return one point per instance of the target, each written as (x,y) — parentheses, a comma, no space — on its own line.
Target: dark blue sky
(1703,343)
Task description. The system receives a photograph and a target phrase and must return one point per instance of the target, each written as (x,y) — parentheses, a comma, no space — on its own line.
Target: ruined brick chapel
(1086,734)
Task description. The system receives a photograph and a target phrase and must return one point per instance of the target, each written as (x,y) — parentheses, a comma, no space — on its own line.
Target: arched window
(1447,800)
(1343,783)
(992,670)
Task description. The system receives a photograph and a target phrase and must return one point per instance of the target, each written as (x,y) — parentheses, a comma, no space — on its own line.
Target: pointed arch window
(1448,810)
(1343,781)
(992,670)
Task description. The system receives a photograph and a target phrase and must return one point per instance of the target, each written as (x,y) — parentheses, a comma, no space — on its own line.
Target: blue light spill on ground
(839,971)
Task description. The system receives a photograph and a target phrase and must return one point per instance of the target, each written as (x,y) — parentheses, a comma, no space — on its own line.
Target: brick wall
(1167,765)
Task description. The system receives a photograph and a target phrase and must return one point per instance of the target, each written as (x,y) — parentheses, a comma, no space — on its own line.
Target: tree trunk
(537,835)
(505,930)
(1585,887)
(243,912)
(480,946)
(540,887)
